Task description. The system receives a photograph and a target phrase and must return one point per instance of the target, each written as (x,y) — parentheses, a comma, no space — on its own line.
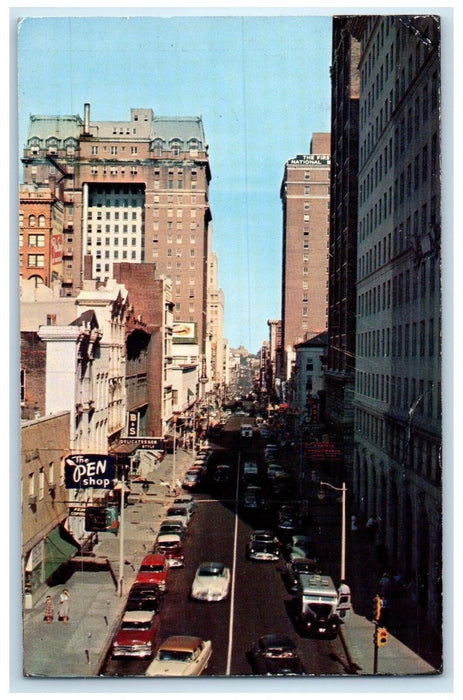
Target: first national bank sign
(89,471)
(310,160)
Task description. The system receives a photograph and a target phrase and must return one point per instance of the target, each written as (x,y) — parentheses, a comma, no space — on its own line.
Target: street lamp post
(343,524)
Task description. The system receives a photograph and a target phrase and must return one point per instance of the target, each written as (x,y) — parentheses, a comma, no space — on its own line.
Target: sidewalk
(78,649)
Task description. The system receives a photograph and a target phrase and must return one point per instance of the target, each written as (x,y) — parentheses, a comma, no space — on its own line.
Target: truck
(316,606)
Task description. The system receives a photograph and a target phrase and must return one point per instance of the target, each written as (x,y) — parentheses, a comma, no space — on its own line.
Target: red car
(154,569)
(172,548)
(136,635)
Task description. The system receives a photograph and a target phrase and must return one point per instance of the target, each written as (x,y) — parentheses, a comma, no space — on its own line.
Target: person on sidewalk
(63,610)
(49,610)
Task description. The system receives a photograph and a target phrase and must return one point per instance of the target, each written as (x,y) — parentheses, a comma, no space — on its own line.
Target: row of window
(416,339)
(404,287)
(419,454)
(114,229)
(32,220)
(402,393)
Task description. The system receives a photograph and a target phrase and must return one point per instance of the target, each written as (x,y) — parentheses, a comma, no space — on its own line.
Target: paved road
(258,603)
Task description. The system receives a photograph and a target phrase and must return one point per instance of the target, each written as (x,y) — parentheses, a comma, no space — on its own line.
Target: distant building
(308,376)
(305,196)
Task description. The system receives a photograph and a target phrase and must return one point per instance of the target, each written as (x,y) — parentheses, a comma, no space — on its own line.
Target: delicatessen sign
(88,471)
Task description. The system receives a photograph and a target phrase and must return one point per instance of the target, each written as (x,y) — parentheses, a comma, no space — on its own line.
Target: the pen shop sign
(87,471)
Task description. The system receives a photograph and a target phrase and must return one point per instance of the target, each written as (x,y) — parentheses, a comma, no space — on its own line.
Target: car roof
(169,537)
(181,643)
(212,565)
(138,616)
(153,559)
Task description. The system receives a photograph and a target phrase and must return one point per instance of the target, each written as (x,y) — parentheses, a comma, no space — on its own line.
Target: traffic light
(382,636)
(376,607)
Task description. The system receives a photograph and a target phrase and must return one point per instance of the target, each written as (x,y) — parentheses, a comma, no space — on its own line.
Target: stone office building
(133,191)
(398,431)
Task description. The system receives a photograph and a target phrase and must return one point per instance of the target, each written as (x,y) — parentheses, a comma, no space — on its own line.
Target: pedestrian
(372,527)
(344,588)
(49,610)
(178,487)
(63,610)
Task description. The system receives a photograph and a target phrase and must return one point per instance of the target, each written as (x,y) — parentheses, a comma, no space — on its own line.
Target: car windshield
(176,511)
(211,571)
(174,655)
(131,625)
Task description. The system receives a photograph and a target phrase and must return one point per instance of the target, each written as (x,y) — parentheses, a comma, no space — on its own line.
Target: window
(32,220)
(35,260)
(36,240)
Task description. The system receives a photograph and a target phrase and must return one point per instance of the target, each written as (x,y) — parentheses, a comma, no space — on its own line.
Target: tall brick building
(134,191)
(305,196)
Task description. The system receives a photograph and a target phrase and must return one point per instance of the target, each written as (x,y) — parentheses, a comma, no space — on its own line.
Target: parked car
(211,582)
(154,569)
(169,527)
(263,546)
(276,655)
(136,635)
(180,513)
(181,655)
(192,479)
(187,500)
(171,546)
(144,596)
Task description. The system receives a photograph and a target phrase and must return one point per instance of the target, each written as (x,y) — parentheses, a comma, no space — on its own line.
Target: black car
(296,566)
(144,596)
(275,655)
(263,546)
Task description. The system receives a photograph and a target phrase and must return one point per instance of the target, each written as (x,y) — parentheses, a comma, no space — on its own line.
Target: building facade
(340,369)
(305,196)
(397,461)
(40,235)
(135,191)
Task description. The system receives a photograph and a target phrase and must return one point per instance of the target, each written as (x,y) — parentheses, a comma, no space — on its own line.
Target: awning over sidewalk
(58,550)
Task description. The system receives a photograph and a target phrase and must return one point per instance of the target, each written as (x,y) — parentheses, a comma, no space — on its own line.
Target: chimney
(87,118)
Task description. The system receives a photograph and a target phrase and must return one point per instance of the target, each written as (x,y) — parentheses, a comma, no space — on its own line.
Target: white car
(186,500)
(179,513)
(211,582)
(181,655)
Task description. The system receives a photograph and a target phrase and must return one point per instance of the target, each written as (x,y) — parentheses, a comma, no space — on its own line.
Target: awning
(125,449)
(57,550)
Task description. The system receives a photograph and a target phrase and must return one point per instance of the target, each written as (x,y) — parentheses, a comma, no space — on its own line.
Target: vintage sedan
(263,546)
(169,527)
(211,582)
(144,596)
(181,655)
(298,565)
(192,479)
(136,635)
(179,513)
(154,569)
(171,546)
(275,655)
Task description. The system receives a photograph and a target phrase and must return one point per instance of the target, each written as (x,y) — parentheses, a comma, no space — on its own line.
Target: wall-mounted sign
(310,160)
(132,424)
(56,246)
(89,471)
(184,332)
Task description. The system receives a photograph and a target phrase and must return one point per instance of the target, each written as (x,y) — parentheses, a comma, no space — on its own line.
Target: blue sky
(261,85)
